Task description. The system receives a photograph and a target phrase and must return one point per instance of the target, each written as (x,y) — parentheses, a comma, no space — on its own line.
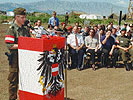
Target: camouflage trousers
(125,56)
(13,85)
(13,78)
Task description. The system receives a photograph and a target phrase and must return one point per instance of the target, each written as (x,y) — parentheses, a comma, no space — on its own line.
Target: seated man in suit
(76,43)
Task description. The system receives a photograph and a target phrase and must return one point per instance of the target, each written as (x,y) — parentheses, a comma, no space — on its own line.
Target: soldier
(125,47)
(15,30)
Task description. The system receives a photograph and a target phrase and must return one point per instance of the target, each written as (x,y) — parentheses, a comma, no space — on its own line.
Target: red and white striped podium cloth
(34,84)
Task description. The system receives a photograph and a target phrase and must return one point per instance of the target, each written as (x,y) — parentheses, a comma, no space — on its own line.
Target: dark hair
(77,22)
(113,28)
(80,26)
(109,30)
(94,31)
(103,27)
(35,22)
(95,26)
(111,22)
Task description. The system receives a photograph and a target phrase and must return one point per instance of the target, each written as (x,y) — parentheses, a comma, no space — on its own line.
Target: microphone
(27,23)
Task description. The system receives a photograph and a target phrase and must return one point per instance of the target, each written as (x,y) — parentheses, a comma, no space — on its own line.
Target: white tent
(91,16)
(10,13)
(83,16)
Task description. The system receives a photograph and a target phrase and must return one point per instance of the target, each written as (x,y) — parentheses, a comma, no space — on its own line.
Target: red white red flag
(9,39)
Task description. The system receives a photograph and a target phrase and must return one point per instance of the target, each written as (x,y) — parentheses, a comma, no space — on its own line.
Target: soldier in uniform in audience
(125,48)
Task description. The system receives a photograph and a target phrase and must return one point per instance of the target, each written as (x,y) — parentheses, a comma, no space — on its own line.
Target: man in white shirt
(76,43)
(38,30)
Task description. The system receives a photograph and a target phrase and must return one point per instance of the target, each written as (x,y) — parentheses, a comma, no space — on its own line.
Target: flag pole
(66,65)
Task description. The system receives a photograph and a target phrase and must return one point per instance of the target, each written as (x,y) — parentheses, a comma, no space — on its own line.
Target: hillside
(102,8)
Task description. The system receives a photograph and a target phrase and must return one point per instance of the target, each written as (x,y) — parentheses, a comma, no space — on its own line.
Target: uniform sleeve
(129,42)
(28,33)
(117,40)
(9,38)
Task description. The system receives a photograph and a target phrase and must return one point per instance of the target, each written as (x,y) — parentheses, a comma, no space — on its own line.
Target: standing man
(76,43)
(54,21)
(15,30)
(66,18)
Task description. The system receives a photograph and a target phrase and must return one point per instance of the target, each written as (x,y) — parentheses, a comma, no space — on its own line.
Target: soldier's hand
(126,49)
(15,46)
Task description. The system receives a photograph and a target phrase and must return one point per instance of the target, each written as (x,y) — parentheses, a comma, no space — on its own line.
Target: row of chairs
(87,60)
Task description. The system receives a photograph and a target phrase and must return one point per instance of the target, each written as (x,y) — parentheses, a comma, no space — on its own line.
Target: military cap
(62,23)
(124,29)
(19,11)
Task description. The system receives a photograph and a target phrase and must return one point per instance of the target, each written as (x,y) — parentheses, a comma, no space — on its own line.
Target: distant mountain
(61,7)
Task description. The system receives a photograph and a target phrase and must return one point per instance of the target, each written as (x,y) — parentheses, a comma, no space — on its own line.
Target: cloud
(121,2)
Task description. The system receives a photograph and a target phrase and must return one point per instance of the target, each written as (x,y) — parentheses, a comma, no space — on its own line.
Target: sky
(124,3)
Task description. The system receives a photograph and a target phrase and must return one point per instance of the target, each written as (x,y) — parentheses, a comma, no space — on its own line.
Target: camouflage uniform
(11,38)
(125,42)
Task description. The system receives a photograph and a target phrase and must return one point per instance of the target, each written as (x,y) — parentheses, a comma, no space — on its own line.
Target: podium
(41,68)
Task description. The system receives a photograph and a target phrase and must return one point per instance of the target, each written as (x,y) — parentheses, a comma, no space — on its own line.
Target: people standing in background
(66,18)
(54,21)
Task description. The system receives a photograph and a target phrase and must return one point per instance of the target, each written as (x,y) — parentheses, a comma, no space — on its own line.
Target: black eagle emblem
(52,65)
